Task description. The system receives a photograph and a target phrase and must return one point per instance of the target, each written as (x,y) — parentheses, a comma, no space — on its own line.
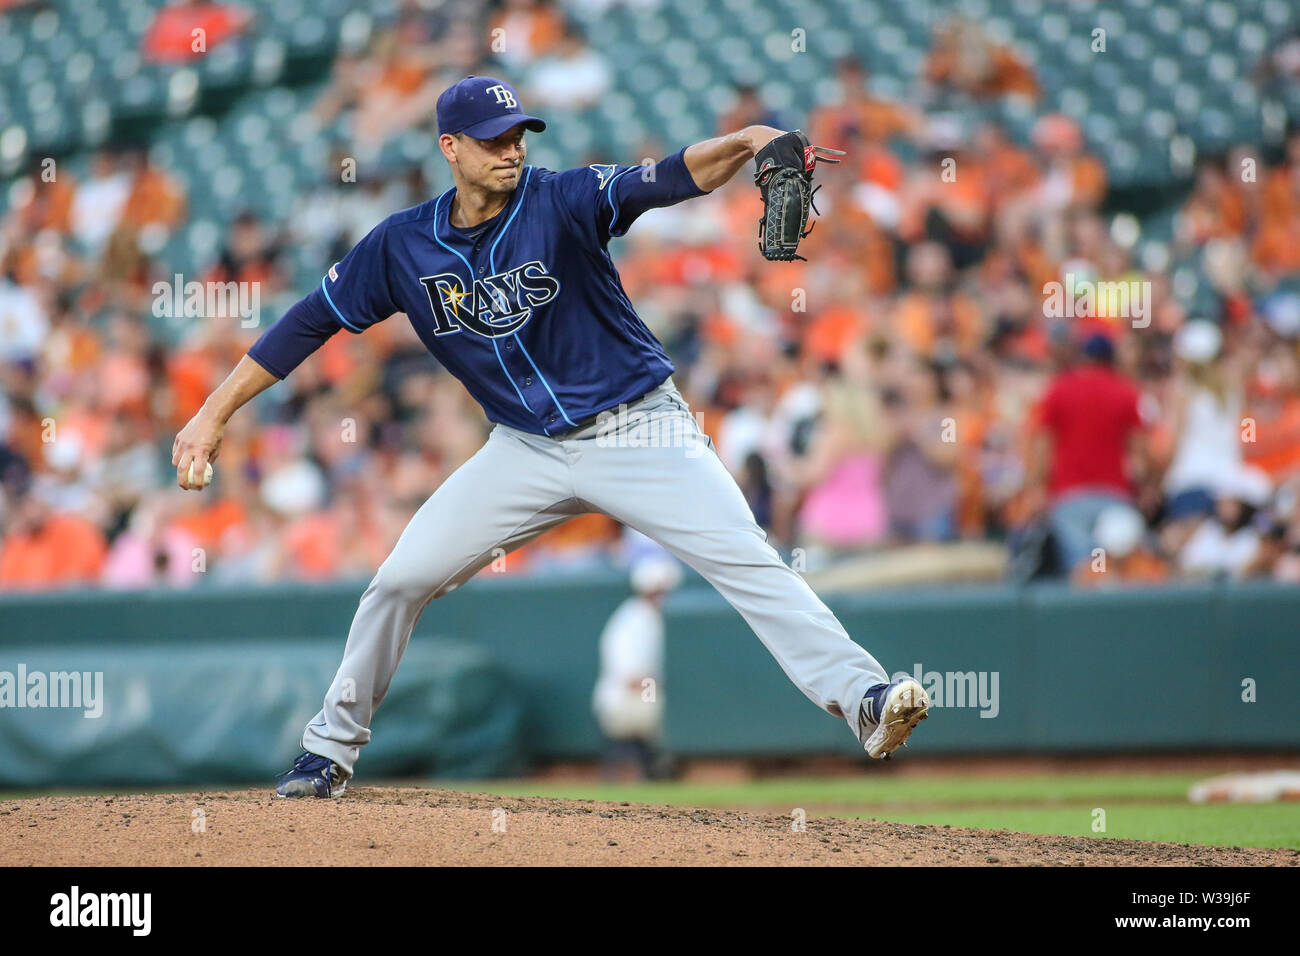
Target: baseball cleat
(311,776)
(895,709)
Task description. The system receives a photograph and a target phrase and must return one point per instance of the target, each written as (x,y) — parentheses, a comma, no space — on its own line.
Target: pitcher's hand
(198,442)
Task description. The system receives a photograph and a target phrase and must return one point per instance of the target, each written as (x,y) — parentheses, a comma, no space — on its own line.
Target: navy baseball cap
(1099,348)
(483,107)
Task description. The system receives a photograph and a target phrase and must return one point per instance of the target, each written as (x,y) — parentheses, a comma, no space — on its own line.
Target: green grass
(1148,807)
(882,790)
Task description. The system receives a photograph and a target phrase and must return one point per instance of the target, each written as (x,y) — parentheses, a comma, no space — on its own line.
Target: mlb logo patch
(334,273)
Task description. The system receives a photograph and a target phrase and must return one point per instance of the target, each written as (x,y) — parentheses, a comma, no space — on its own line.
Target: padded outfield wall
(214,685)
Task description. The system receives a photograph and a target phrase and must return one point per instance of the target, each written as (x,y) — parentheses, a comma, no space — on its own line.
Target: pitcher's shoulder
(566,180)
(414,215)
(540,174)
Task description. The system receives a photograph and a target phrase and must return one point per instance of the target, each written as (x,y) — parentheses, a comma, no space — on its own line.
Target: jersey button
(510,346)
(480,270)
(528,381)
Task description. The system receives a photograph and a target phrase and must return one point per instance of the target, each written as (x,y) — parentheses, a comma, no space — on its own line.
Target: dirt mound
(409,826)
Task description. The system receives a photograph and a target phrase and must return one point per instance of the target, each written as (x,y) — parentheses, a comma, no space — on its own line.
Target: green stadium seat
(1185,64)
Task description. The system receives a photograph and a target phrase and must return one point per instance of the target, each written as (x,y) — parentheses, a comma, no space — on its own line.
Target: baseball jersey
(526,310)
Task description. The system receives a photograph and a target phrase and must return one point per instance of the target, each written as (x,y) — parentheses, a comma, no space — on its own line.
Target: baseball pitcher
(507,279)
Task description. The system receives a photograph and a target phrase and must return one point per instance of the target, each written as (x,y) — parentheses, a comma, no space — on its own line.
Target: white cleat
(905,705)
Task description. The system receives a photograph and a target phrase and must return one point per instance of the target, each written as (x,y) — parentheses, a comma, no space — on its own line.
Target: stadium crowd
(911,383)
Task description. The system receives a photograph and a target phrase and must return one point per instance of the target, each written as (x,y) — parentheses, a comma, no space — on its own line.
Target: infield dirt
(418,827)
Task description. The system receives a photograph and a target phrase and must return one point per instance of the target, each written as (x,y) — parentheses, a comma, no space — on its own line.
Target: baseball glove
(784,174)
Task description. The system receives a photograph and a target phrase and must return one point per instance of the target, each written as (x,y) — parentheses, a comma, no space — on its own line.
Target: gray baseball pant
(647,465)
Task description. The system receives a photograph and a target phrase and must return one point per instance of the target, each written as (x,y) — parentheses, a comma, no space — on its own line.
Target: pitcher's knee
(404,586)
(751,548)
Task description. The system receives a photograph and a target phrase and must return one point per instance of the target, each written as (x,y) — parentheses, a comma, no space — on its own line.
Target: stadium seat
(79,69)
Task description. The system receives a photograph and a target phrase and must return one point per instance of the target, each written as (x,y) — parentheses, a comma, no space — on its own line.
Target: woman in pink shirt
(844,503)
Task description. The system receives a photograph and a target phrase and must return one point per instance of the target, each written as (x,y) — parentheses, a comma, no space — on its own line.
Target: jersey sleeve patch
(604,173)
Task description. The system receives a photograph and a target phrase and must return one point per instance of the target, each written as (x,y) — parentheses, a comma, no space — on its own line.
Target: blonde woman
(844,501)
(1206,413)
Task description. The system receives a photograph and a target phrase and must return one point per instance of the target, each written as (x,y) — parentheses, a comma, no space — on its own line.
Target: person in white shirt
(1207,414)
(574,77)
(628,698)
(97,205)
(23,321)
(1226,544)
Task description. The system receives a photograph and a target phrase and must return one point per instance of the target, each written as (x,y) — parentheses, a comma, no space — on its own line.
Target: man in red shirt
(174,35)
(1088,429)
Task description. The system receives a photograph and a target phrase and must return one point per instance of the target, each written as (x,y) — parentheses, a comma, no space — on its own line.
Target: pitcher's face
(490,164)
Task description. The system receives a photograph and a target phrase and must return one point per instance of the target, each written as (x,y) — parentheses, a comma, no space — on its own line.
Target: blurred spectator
(250,551)
(392,87)
(952,212)
(921,466)
(47,549)
(23,322)
(341,541)
(1215,209)
(584,543)
(1009,170)
(199,363)
(251,254)
(334,214)
(1129,557)
(1089,425)
(933,319)
(570,76)
(1282,61)
(844,504)
(1276,246)
(1273,409)
(628,697)
(155,198)
(964,59)
(524,30)
(97,206)
(125,475)
(1072,178)
(187,29)
(855,116)
(49,207)
(1206,421)
(152,552)
(748,109)
(1286,566)
(1226,543)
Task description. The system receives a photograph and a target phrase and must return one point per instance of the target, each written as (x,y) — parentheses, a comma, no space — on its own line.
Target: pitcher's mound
(415,827)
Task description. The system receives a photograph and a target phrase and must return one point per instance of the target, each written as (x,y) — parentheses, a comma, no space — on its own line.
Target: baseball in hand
(207,475)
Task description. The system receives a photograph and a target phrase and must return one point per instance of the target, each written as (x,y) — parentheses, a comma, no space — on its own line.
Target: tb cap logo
(504,96)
